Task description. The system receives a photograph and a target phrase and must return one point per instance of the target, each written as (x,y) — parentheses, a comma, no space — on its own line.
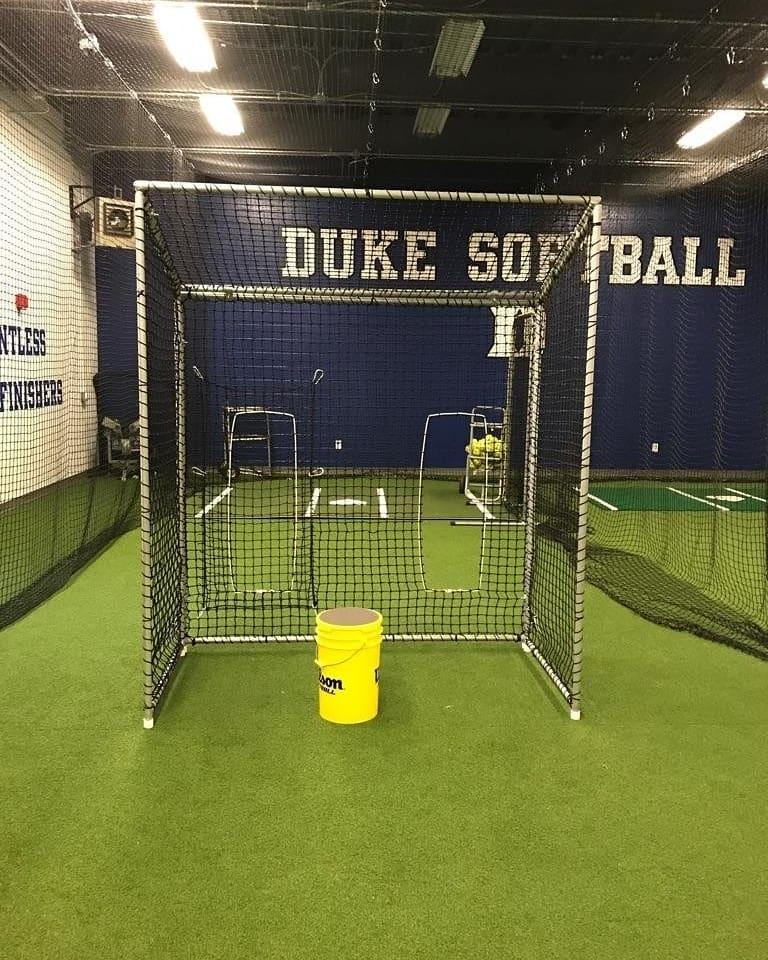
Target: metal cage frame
(587,229)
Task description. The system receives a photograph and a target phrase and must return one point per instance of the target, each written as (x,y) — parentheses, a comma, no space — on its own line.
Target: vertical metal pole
(586,436)
(507,433)
(181,464)
(533,339)
(144,473)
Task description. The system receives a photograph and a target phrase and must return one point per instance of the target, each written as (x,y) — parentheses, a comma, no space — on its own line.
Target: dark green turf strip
(472,820)
(674,495)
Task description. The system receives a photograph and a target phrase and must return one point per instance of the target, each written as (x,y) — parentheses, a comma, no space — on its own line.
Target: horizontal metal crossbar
(357,193)
(397,297)
(310,637)
(358,518)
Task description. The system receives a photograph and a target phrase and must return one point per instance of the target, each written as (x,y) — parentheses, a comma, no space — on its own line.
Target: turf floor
(471,820)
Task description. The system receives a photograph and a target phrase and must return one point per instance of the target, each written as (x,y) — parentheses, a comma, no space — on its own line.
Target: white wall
(43,444)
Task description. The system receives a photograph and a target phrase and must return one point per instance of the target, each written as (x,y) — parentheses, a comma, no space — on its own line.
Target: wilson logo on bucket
(330,684)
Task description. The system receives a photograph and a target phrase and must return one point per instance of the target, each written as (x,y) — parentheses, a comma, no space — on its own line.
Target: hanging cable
(373,90)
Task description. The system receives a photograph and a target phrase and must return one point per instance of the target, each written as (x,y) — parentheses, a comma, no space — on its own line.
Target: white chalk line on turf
(690,496)
(214,503)
(479,504)
(603,503)
(383,509)
(313,502)
(749,496)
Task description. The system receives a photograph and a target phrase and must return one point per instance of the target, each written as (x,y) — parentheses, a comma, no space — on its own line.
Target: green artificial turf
(471,820)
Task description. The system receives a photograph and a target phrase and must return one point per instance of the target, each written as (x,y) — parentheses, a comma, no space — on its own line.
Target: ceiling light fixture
(456,48)
(430,121)
(222,113)
(185,36)
(709,128)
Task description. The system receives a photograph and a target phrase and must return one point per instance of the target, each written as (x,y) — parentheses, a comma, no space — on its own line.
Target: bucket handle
(338,663)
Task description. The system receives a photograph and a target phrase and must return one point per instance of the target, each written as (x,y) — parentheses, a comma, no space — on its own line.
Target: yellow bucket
(348,651)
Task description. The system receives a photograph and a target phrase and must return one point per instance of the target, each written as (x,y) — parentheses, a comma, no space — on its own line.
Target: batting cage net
(378,398)
(68,427)
(679,493)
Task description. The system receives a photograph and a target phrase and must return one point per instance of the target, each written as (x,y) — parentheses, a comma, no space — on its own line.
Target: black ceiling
(575,97)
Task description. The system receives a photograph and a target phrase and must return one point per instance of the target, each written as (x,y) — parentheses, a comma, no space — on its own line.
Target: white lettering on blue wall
(387,256)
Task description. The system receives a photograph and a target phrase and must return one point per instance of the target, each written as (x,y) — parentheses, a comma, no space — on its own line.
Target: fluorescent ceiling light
(184,34)
(430,121)
(456,48)
(709,128)
(222,113)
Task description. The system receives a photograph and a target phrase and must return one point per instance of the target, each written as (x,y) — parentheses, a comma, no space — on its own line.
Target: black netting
(679,531)
(91,99)
(160,360)
(68,445)
(353,416)
(556,606)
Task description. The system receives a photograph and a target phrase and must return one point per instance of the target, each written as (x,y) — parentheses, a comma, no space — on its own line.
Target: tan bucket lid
(349,616)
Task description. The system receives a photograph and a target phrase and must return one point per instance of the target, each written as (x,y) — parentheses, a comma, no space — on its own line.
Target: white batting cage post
(533,341)
(146,540)
(181,472)
(586,438)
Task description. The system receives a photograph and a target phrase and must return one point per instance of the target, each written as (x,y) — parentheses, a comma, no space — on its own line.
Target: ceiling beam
(218,150)
(362,100)
(427,33)
(413,11)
